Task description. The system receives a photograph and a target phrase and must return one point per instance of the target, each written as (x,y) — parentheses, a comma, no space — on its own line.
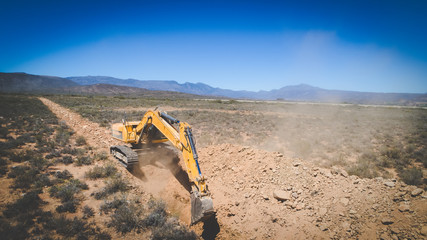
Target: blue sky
(376,46)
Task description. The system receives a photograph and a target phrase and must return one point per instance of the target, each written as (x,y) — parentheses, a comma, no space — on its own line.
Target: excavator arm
(182,138)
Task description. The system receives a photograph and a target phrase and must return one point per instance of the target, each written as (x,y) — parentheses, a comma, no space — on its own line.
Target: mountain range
(22,82)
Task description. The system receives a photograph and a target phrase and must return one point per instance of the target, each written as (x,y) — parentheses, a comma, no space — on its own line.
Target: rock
(300,206)
(265,197)
(344,173)
(387,221)
(344,201)
(295,195)
(322,211)
(424,231)
(323,227)
(394,230)
(416,192)
(282,195)
(296,164)
(379,179)
(389,184)
(404,207)
(346,226)
(279,155)
(352,212)
(334,170)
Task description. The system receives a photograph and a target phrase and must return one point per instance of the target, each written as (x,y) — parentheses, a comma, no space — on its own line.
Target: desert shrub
(412,176)
(101,172)
(64,175)
(80,141)
(365,166)
(46,147)
(26,179)
(65,160)
(101,156)
(68,227)
(88,212)
(3,162)
(126,218)
(3,132)
(28,203)
(39,163)
(42,181)
(62,136)
(69,206)
(17,157)
(116,184)
(17,170)
(174,231)
(84,160)
(69,150)
(114,204)
(157,216)
(8,231)
(53,154)
(3,166)
(23,156)
(66,191)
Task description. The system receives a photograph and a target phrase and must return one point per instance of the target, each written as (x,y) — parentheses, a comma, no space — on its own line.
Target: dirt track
(321,203)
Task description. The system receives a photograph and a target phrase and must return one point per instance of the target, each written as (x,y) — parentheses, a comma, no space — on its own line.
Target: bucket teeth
(201,208)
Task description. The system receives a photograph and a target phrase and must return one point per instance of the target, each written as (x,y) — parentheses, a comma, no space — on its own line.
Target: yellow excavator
(157,126)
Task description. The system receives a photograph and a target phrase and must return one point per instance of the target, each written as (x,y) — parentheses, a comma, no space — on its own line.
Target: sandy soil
(316,203)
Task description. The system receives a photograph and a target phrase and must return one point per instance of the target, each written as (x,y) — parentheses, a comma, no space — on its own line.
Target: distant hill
(104,89)
(99,85)
(300,92)
(23,82)
(162,85)
(115,90)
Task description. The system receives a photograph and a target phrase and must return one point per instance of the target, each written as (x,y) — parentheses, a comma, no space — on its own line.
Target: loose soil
(319,203)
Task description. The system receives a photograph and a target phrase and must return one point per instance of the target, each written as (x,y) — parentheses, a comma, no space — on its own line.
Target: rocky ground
(259,194)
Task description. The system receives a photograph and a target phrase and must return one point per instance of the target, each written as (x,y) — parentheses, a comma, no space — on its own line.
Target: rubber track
(132,156)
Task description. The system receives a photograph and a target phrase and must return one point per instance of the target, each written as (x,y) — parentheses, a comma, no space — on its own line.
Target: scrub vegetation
(46,201)
(368,141)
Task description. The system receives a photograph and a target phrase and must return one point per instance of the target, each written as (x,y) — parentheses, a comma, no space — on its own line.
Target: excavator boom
(157,126)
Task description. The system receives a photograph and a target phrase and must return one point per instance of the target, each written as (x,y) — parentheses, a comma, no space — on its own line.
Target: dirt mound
(246,183)
(315,203)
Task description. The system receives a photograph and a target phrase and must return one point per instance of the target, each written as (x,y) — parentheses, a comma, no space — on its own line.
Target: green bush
(66,191)
(101,172)
(80,141)
(365,167)
(114,204)
(26,179)
(412,176)
(62,136)
(157,216)
(101,156)
(116,184)
(65,160)
(126,218)
(28,203)
(84,160)
(88,212)
(69,206)
(64,175)
(173,230)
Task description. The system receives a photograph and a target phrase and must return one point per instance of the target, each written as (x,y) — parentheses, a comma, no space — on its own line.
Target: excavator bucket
(201,208)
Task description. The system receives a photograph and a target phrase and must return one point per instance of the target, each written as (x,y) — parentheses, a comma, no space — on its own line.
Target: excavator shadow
(211,228)
(161,155)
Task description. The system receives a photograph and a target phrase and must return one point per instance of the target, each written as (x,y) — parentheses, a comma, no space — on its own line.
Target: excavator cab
(156,127)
